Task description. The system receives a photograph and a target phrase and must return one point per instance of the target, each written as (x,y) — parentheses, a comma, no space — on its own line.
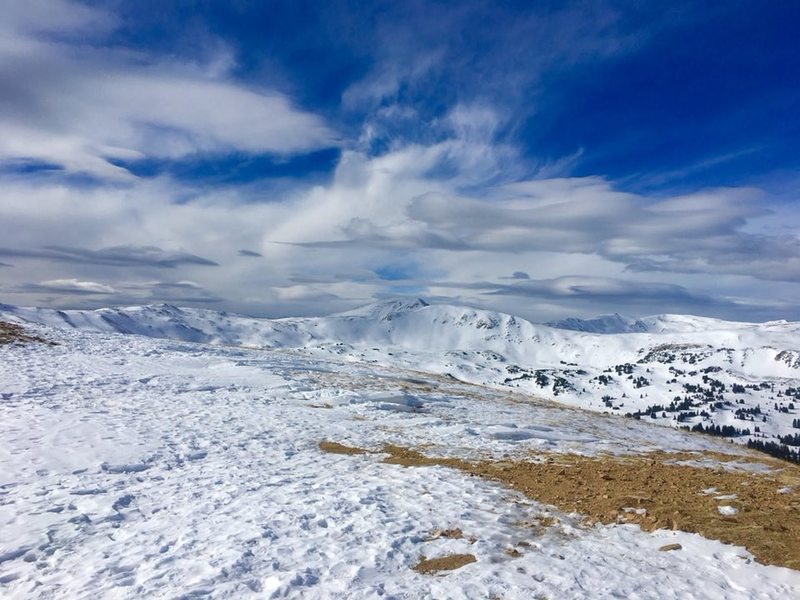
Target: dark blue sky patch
(655,96)
(28,167)
(712,101)
(238,167)
(396,272)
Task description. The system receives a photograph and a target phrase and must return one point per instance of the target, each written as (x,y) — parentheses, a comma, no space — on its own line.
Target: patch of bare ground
(654,492)
(11,333)
(429,566)
(337,448)
(452,534)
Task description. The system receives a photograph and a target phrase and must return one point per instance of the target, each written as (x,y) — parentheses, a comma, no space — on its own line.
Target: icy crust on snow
(134,467)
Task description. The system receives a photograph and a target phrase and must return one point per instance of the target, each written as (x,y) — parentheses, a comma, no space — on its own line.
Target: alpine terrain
(400,450)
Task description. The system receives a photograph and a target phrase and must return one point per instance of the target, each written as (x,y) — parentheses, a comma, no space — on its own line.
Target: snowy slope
(681,371)
(615,323)
(666,323)
(136,467)
(419,326)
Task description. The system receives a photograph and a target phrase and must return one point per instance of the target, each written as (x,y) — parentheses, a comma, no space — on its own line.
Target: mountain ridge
(684,371)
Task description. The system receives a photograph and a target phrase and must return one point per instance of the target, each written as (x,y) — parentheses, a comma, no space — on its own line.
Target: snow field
(134,467)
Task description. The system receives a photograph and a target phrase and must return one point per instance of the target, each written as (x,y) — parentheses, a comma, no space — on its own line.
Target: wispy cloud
(90,108)
(391,210)
(64,286)
(250,253)
(95,294)
(117,256)
(180,291)
(607,290)
(706,232)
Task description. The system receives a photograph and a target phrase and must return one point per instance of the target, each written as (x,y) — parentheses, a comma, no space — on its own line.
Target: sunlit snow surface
(135,467)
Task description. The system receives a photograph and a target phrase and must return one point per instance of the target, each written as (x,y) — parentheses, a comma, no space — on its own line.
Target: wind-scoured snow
(139,467)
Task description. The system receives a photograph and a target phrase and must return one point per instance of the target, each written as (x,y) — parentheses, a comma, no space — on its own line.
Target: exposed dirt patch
(429,566)
(538,525)
(11,333)
(413,458)
(739,454)
(337,448)
(452,534)
(654,492)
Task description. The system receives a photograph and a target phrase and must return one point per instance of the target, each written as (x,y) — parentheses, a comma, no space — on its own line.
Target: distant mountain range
(741,380)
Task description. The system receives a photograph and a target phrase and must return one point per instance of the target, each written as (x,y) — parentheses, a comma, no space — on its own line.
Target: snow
(609,324)
(603,324)
(133,467)
(664,355)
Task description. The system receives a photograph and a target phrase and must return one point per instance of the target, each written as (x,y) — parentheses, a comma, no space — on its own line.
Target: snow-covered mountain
(673,369)
(666,323)
(615,323)
(139,467)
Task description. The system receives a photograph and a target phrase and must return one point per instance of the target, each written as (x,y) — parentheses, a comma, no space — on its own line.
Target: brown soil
(453,534)
(11,333)
(655,493)
(413,458)
(428,566)
(337,448)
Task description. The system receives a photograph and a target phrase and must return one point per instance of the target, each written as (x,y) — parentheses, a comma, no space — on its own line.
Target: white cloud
(81,108)
(85,286)
(68,286)
(120,256)
(573,238)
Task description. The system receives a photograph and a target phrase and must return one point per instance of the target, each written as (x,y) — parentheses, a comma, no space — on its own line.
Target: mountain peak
(386,309)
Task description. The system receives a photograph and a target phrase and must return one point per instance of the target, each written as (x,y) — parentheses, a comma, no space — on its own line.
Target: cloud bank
(439,201)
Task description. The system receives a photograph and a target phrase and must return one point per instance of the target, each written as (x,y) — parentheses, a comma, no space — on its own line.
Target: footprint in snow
(123,502)
(122,469)
(88,492)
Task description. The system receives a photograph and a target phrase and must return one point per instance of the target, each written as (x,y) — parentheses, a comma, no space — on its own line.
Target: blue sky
(279,158)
